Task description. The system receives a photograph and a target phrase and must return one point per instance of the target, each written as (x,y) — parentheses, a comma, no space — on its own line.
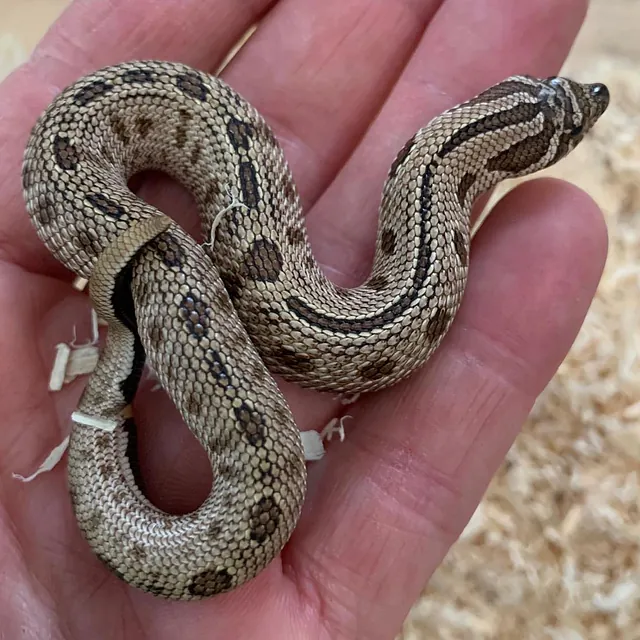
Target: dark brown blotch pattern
(169,250)
(295,236)
(294,360)
(467,181)
(194,312)
(210,582)
(388,241)
(225,469)
(213,191)
(192,85)
(138,551)
(377,370)
(143,126)
(106,206)
(377,282)
(263,262)
(289,191)
(460,247)
(249,184)
(155,585)
(251,423)
(106,470)
(264,519)
(263,475)
(120,494)
(102,441)
(222,300)
(524,154)
(137,76)
(217,368)
(239,133)
(265,133)
(119,128)
(196,153)
(214,530)
(233,285)
(90,92)
(438,323)
(190,401)
(401,157)
(182,127)
(66,155)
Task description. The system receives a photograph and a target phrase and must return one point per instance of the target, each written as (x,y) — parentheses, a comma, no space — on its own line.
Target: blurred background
(553,551)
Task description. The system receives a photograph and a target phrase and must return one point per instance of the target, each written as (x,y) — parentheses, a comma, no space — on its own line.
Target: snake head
(580,104)
(549,116)
(524,124)
(574,108)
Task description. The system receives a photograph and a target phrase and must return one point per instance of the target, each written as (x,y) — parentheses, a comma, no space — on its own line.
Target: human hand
(384,506)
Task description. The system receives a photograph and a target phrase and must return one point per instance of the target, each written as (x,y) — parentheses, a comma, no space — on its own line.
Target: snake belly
(213,319)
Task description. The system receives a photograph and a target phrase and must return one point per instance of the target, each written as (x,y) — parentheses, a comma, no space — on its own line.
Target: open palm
(343,84)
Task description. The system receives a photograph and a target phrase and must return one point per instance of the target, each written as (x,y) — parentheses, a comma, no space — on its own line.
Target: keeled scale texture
(164,296)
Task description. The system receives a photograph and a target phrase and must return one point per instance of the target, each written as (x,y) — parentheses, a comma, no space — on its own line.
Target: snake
(216,320)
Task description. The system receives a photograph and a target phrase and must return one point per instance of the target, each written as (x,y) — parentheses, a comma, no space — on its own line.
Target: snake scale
(213,319)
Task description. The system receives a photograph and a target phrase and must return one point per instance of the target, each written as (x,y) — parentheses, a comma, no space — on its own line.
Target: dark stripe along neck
(519,114)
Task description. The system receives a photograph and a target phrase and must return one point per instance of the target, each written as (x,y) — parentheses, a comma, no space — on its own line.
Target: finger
(393,497)
(89,35)
(319,72)
(467,47)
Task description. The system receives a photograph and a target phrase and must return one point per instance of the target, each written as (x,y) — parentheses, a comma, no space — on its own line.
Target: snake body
(201,313)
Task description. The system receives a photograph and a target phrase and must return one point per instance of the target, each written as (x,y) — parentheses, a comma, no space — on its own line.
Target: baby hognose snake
(197,324)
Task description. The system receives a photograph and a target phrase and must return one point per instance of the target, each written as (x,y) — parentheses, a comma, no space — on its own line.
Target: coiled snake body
(196,311)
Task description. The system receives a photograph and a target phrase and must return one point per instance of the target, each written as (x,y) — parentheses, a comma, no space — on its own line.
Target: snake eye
(576,131)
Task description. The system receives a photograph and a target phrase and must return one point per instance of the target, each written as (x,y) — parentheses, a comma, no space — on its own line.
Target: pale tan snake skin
(162,295)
